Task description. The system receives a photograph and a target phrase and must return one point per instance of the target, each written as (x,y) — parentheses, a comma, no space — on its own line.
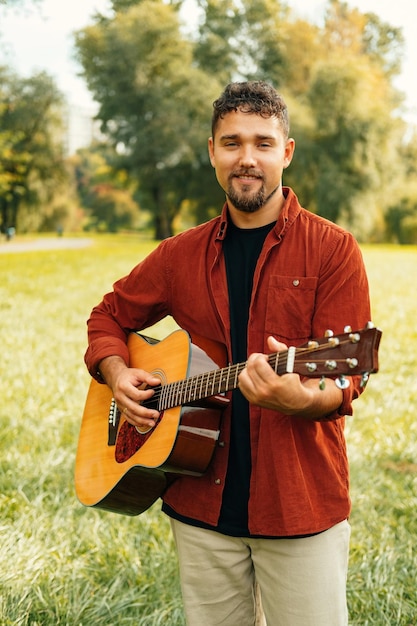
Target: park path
(45,243)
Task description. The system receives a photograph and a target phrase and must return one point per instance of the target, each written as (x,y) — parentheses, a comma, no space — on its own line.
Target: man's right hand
(130,387)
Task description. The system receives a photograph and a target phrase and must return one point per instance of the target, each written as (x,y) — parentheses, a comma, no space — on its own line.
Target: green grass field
(63,564)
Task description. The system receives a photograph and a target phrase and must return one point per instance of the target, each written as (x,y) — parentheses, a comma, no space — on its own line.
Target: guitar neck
(352,353)
(200,386)
(216,382)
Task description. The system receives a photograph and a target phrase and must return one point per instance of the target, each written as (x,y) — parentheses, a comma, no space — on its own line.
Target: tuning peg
(352,363)
(370,325)
(347,329)
(328,333)
(342,382)
(364,379)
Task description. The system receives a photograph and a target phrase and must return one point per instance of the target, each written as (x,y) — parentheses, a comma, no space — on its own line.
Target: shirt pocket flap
(290,306)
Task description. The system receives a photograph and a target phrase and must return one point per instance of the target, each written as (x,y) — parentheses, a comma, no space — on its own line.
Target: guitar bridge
(113,422)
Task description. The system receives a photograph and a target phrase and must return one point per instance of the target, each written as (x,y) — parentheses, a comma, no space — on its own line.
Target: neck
(267,213)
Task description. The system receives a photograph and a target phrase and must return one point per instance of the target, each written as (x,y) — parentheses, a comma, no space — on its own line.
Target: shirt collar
(288,214)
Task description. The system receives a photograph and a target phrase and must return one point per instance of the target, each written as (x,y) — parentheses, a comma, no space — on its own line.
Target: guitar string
(176,391)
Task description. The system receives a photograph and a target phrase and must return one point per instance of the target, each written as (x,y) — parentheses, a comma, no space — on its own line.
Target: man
(265,274)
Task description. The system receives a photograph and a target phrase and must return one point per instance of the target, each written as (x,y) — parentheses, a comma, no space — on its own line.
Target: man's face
(249,154)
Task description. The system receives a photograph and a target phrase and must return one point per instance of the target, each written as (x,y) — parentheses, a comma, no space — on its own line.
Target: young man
(265,274)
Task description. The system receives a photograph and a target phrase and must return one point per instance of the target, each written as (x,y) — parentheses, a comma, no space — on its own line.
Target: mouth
(247,178)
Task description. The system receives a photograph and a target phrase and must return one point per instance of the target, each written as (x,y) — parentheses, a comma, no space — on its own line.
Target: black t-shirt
(242,248)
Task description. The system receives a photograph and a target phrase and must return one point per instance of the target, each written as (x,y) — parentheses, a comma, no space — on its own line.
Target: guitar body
(121,470)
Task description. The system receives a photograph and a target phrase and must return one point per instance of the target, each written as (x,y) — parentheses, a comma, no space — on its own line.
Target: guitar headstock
(335,356)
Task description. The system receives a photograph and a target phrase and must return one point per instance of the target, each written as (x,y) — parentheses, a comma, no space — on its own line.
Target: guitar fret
(191,391)
(162,400)
(168,395)
(220,388)
(176,394)
(237,372)
(215,386)
(181,396)
(201,384)
(207,377)
(228,384)
(219,380)
(186,390)
(213,381)
(194,394)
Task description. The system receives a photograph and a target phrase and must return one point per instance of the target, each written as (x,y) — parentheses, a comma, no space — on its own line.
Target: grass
(382,440)
(63,564)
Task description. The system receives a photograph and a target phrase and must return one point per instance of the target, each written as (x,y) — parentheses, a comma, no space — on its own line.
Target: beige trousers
(226,581)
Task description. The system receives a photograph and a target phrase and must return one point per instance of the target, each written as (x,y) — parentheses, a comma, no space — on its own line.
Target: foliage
(401,214)
(64,564)
(338,79)
(154,81)
(158,124)
(353,135)
(105,190)
(401,221)
(31,153)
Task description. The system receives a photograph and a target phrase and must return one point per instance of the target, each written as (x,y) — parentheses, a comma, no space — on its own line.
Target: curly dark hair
(256,97)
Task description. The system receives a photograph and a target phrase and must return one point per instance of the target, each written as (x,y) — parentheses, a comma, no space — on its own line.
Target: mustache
(246,172)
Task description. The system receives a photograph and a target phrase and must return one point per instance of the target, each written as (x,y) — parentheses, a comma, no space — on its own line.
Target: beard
(245,200)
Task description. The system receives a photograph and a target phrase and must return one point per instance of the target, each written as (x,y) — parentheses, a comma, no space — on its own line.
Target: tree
(105,191)
(401,213)
(152,105)
(354,136)
(31,143)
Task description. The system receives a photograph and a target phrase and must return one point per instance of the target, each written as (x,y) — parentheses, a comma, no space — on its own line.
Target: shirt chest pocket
(290,306)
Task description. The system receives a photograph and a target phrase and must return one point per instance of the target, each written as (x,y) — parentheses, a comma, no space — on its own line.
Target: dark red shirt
(310,277)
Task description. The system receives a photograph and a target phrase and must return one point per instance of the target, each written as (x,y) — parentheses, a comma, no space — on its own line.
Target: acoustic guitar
(125,470)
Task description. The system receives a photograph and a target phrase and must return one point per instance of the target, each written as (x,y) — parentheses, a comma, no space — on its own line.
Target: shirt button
(217,481)
(296,282)
(221,444)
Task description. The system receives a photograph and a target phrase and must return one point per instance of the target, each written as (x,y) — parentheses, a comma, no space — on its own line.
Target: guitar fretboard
(352,353)
(212,383)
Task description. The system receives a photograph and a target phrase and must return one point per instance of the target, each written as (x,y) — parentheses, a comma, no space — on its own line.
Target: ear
(211,151)
(289,151)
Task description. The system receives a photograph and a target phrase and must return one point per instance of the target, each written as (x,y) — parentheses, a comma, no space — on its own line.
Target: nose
(247,156)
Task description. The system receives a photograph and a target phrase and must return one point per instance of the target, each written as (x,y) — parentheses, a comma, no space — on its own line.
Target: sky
(41,39)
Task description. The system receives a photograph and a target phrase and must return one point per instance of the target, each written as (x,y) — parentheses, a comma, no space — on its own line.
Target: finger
(140,422)
(275,345)
(133,404)
(140,377)
(258,368)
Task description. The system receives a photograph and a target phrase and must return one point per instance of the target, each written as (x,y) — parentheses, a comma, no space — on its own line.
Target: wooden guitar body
(122,470)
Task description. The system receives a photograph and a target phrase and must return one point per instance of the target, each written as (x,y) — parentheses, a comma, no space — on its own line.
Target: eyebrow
(236,136)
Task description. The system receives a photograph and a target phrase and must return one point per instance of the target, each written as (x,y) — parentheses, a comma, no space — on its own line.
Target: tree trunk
(163,226)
